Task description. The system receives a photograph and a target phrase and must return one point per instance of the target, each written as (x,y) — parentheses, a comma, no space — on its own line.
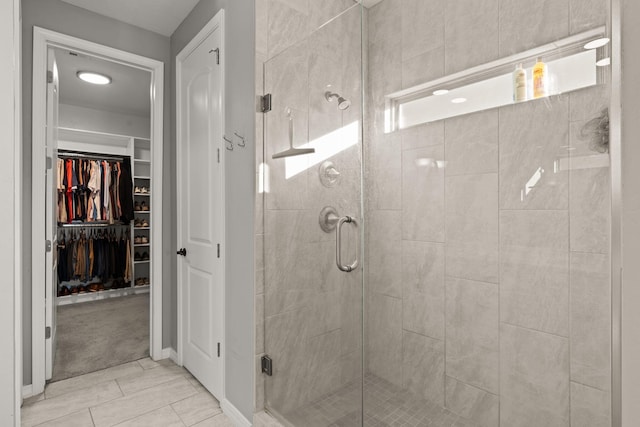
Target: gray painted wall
(240,186)
(9,130)
(65,18)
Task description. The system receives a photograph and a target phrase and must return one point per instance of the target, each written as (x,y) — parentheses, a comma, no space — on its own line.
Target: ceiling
(128,93)
(159,16)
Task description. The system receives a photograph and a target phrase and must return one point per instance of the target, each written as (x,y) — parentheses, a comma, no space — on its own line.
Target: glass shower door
(312,185)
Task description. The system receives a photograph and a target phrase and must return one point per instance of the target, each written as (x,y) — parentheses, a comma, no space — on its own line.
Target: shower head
(343,103)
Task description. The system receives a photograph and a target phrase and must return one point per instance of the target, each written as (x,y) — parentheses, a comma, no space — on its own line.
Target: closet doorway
(110,226)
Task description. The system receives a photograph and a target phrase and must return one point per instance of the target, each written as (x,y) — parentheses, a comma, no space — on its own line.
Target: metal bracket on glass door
(329,220)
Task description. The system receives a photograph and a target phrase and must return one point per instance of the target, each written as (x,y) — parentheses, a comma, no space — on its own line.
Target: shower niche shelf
(571,66)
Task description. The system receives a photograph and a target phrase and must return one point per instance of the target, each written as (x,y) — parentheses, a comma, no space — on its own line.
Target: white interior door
(201,205)
(51,275)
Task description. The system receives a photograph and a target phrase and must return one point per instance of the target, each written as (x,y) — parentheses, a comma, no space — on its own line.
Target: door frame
(42,40)
(217,22)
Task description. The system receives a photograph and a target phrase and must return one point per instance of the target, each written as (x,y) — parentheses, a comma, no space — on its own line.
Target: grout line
(535,330)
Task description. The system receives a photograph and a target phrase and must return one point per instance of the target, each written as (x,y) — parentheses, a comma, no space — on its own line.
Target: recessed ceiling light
(93,78)
(603,62)
(459,100)
(594,44)
(440,92)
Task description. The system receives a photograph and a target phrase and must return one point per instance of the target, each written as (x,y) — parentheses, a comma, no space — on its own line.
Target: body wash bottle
(519,84)
(540,79)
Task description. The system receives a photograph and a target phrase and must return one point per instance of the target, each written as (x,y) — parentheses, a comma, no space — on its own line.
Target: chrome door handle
(345,267)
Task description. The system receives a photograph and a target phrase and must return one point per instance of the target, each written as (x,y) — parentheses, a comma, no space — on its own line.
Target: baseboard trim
(27,391)
(234,414)
(166,353)
(169,353)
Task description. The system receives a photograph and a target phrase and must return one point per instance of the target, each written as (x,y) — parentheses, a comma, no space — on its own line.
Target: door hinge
(265,103)
(47,245)
(47,332)
(218,155)
(217,52)
(49,76)
(218,250)
(49,162)
(218,349)
(267,365)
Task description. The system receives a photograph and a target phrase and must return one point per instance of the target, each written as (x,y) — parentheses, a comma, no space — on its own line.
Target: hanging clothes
(94,190)
(99,255)
(126,191)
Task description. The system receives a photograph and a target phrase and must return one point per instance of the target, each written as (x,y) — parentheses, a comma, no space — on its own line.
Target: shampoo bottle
(519,84)
(540,79)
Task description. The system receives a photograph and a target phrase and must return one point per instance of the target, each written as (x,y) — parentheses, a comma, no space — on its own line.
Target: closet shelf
(94,296)
(141,177)
(142,212)
(141,244)
(142,161)
(142,194)
(142,228)
(142,262)
(91,224)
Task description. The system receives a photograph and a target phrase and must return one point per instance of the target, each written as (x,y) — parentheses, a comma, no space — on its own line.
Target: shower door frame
(615,150)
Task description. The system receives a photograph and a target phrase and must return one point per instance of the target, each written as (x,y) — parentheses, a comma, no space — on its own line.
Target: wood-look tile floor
(135,394)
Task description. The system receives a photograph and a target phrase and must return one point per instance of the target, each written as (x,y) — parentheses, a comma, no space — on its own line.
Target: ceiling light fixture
(603,62)
(93,78)
(440,92)
(459,100)
(594,44)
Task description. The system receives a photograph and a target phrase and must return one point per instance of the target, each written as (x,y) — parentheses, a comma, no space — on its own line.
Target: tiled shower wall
(484,295)
(311,311)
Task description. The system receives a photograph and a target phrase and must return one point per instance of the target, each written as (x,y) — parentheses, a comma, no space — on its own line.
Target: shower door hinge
(218,250)
(218,349)
(265,103)
(267,365)
(49,76)
(47,332)
(47,245)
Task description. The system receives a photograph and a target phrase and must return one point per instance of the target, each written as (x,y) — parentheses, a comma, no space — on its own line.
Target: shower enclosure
(438,254)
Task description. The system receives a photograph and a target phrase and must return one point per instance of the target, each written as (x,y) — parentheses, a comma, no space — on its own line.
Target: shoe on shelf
(137,257)
(137,207)
(144,240)
(145,223)
(82,289)
(144,207)
(145,256)
(144,190)
(146,281)
(137,223)
(137,240)
(137,190)
(74,290)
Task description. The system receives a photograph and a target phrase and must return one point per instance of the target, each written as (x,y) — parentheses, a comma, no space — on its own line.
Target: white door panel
(51,276)
(201,204)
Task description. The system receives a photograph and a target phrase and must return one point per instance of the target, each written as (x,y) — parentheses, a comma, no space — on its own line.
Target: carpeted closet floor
(101,334)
